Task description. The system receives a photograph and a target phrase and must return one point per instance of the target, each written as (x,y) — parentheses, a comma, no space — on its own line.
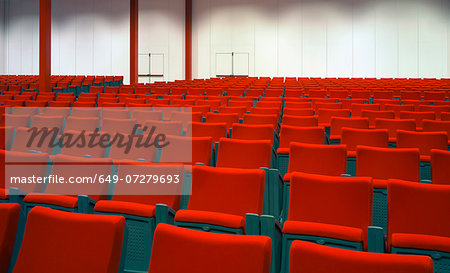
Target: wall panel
(325,38)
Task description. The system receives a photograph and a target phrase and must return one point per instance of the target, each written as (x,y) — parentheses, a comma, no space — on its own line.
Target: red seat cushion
(125,208)
(419,241)
(212,218)
(51,199)
(323,230)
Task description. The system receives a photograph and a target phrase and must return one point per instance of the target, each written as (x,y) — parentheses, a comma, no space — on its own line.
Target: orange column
(45,45)
(188,40)
(134,40)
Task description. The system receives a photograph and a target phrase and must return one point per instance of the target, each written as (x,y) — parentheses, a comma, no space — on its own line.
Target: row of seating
(238,197)
(175,249)
(223,201)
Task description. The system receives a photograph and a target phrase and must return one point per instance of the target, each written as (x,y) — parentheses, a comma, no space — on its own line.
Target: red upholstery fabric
(75,242)
(373,115)
(445,116)
(227,118)
(367,137)
(418,117)
(174,128)
(437,126)
(212,218)
(392,125)
(357,108)
(23,137)
(398,108)
(317,159)
(298,112)
(325,115)
(202,252)
(338,123)
(9,219)
(48,121)
(306,257)
(386,163)
(253,132)
(291,134)
(50,199)
(130,208)
(261,119)
(80,124)
(245,154)
(113,126)
(418,209)
(419,241)
(189,150)
(327,200)
(72,166)
(440,171)
(17,120)
(323,230)
(239,110)
(223,190)
(300,121)
(23,165)
(214,130)
(424,141)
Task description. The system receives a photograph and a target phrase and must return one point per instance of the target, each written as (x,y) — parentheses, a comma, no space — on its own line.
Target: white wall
(91,37)
(161,30)
(351,38)
(332,38)
(2,37)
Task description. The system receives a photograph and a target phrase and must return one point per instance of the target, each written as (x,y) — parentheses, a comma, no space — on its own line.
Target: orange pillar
(188,40)
(45,45)
(134,40)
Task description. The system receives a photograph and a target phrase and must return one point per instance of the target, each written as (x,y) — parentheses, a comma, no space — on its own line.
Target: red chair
(318,212)
(437,126)
(418,116)
(445,116)
(440,171)
(221,200)
(298,112)
(301,121)
(325,115)
(425,142)
(103,233)
(367,137)
(261,120)
(214,130)
(9,215)
(200,252)
(227,118)
(338,123)
(398,108)
(357,108)
(373,115)
(414,228)
(253,132)
(306,257)
(382,164)
(244,154)
(393,125)
(187,150)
